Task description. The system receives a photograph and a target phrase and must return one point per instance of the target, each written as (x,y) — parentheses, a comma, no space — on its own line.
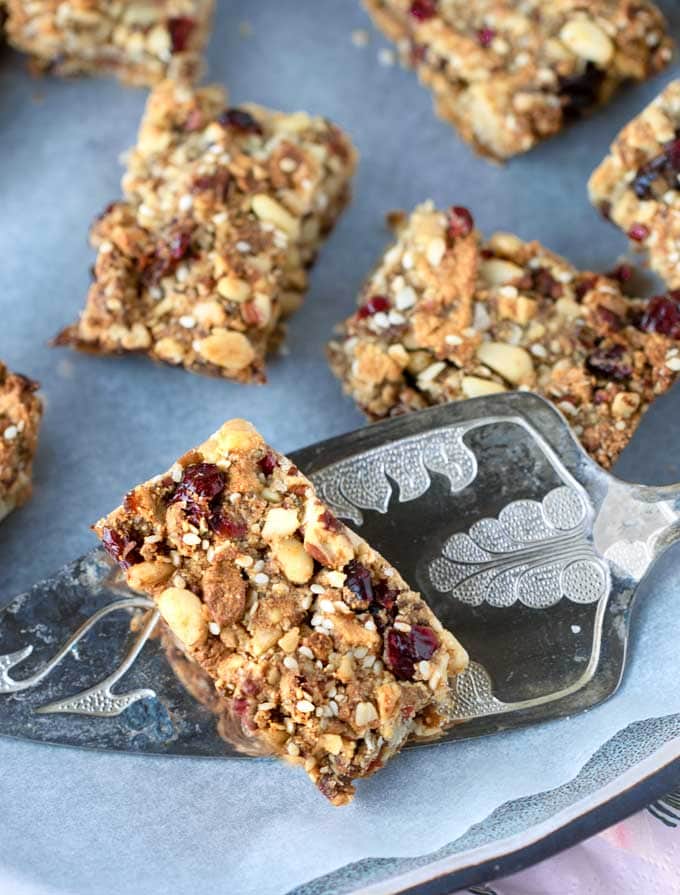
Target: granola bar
(20,414)
(637,187)
(447,315)
(509,74)
(224,210)
(328,657)
(139,41)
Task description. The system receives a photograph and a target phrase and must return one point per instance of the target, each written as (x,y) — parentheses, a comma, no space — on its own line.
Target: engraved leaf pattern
(364,482)
(535,553)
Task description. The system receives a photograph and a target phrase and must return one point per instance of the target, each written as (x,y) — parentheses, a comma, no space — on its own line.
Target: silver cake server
(522,545)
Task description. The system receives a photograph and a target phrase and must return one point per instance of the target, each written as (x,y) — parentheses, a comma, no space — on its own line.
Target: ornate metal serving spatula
(526,548)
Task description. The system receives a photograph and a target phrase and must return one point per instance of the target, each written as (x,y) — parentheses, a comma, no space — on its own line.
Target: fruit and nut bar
(328,658)
(509,74)
(20,415)
(139,41)
(637,186)
(447,315)
(224,209)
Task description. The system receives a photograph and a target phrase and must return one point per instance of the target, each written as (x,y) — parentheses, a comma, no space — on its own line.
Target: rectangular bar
(508,75)
(224,210)
(636,185)
(139,41)
(20,415)
(327,655)
(447,315)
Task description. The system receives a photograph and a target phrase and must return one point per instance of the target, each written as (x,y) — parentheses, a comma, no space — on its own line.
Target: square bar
(139,41)
(447,315)
(637,187)
(20,415)
(224,210)
(327,656)
(508,74)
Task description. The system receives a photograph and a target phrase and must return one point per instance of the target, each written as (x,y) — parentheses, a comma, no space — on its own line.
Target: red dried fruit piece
(330,521)
(374,304)
(622,272)
(180,29)
(405,648)
(228,526)
(638,232)
(485,37)
(217,183)
(240,120)
(268,463)
(666,165)
(610,362)
(124,549)
(179,245)
(358,580)
(546,284)
(423,9)
(201,484)
(611,320)
(460,223)
(165,257)
(662,315)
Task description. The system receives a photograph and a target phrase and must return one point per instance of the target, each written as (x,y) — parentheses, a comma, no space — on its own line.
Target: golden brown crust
(139,41)
(507,75)
(224,211)
(20,415)
(323,651)
(515,315)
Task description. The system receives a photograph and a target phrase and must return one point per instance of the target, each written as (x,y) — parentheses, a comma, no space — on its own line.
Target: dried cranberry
(240,120)
(217,183)
(227,526)
(179,245)
(330,522)
(423,9)
(622,272)
(180,29)
(405,648)
(359,582)
(384,595)
(610,363)
(268,463)
(121,548)
(611,320)
(584,286)
(638,232)
(666,164)
(201,484)
(373,305)
(545,283)
(461,222)
(485,36)
(581,92)
(662,315)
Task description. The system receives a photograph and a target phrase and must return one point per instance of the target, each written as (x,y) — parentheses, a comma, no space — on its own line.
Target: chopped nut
(183,612)
(511,361)
(296,564)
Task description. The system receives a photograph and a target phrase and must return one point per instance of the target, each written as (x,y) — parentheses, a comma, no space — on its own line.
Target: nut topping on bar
(224,210)
(20,415)
(327,657)
(509,74)
(636,186)
(139,41)
(446,316)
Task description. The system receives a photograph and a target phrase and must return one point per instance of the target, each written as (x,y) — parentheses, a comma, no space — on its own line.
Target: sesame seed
(261,578)
(360,652)
(287,164)
(305,651)
(317,589)
(290,662)
(402,626)
(214,628)
(326,606)
(386,57)
(176,473)
(673,363)
(265,706)
(360,37)
(405,298)
(187,321)
(185,203)
(305,706)
(191,539)
(370,625)
(243,246)
(10,433)
(179,581)
(293,748)
(259,565)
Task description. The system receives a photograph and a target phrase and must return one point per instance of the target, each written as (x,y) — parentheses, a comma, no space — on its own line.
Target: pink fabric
(640,856)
